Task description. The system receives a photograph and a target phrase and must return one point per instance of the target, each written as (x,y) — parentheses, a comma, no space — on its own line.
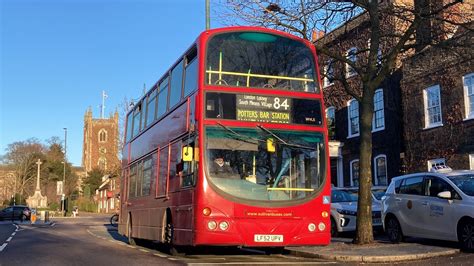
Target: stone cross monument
(37,200)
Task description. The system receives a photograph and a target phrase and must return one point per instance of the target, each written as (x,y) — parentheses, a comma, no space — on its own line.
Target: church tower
(100,145)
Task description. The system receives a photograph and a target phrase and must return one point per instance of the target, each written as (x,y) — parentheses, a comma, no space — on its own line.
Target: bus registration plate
(268,238)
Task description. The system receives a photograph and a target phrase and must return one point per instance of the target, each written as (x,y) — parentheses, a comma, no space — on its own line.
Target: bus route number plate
(268,238)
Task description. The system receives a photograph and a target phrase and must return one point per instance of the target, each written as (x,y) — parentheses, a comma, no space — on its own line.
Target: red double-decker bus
(229,147)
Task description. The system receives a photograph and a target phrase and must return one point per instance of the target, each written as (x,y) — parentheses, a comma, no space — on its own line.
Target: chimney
(316,35)
(424,32)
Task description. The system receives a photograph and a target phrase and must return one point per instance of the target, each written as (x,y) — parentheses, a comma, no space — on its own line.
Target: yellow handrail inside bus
(290,189)
(209,79)
(220,68)
(248,75)
(248,78)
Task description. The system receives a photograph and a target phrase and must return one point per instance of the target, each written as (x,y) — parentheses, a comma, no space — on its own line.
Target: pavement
(378,252)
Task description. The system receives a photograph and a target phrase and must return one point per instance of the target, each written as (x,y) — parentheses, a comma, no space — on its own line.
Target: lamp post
(208,20)
(63,196)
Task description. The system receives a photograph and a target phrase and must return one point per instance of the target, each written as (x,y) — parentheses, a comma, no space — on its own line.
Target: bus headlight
(311,227)
(224,226)
(321,227)
(211,225)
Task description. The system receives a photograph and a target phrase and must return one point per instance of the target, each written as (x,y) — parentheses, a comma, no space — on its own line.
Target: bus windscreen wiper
(241,137)
(283,141)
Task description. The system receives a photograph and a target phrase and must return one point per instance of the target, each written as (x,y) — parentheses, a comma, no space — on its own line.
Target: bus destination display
(263,108)
(258,108)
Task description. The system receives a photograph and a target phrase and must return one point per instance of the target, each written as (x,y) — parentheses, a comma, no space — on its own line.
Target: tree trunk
(364,233)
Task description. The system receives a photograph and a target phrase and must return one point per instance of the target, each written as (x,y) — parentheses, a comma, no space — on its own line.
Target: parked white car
(435,205)
(344,209)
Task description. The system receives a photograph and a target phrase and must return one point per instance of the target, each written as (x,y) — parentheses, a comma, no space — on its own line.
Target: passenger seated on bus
(220,168)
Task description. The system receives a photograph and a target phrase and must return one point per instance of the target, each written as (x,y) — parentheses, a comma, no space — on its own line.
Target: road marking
(9,239)
(14,233)
(261,263)
(3,246)
(144,250)
(160,255)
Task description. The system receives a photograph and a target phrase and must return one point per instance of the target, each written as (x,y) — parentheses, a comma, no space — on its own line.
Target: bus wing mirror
(271,145)
(187,154)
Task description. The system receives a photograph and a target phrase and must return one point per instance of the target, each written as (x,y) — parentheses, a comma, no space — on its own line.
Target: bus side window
(137,115)
(163,98)
(176,84)
(162,177)
(151,106)
(129,127)
(175,158)
(190,76)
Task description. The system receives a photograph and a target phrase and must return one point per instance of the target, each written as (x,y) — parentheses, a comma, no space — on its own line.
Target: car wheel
(466,235)
(393,230)
(334,232)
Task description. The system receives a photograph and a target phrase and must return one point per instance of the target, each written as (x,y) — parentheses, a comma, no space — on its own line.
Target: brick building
(401,141)
(438,103)
(108,194)
(100,146)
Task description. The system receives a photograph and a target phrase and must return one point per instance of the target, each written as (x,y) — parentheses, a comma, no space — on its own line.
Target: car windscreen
(464,183)
(378,193)
(343,196)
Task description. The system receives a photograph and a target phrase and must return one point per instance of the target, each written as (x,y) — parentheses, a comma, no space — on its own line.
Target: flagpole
(102,111)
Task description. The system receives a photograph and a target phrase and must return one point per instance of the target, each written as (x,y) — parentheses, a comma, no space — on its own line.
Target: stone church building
(100,145)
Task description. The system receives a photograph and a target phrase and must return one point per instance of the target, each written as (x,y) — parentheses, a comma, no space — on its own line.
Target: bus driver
(220,168)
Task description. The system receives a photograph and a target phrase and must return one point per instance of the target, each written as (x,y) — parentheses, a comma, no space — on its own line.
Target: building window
(468,82)
(329,73)
(380,173)
(436,162)
(102,135)
(102,163)
(331,120)
(471,161)
(378,122)
(432,101)
(354,172)
(353,118)
(351,55)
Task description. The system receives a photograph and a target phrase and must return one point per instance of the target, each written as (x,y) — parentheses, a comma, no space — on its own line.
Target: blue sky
(56,57)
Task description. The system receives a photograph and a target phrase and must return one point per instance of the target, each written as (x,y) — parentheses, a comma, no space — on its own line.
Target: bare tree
(395,28)
(22,156)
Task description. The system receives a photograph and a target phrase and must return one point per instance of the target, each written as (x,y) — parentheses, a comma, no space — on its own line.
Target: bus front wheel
(168,238)
(131,240)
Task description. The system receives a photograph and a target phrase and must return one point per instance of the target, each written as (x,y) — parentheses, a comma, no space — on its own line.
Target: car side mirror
(445,195)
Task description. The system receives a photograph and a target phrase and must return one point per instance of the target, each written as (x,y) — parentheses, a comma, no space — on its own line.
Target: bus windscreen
(260,60)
